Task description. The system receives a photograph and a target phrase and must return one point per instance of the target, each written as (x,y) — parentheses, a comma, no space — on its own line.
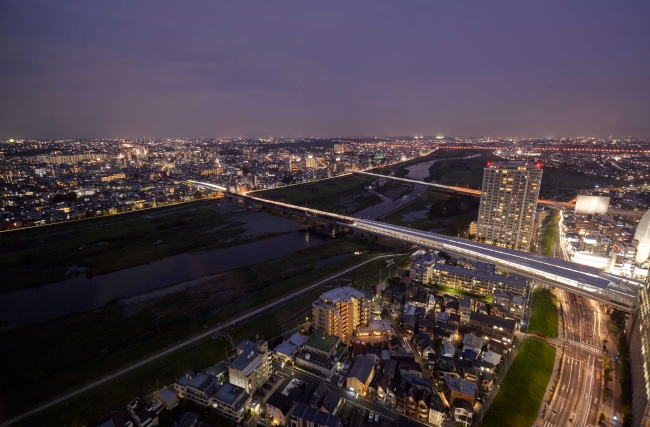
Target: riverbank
(118,244)
(43,361)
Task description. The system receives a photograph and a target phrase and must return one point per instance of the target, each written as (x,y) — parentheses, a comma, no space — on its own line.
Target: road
(354,405)
(186,343)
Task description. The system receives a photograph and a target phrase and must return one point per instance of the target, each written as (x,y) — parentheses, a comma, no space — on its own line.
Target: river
(417,172)
(81,294)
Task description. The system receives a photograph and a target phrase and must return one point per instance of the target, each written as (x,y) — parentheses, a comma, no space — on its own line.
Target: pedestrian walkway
(584,346)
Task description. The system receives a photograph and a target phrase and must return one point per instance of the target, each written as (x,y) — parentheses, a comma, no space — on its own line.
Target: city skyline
(134,70)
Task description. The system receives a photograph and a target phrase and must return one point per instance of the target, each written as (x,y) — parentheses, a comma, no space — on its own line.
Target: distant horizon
(444,137)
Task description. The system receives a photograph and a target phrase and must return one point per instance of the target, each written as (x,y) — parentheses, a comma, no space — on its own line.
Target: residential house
(492,327)
(278,409)
(360,375)
(437,412)
(459,389)
(144,414)
(306,416)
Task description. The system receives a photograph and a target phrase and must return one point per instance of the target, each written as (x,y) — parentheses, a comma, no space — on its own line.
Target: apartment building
(228,400)
(340,311)
(252,366)
(512,304)
(483,279)
(508,203)
(196,386)
(492,327)
(422,269)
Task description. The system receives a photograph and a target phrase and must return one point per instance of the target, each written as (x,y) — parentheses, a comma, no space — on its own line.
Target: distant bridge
(589,282)
(460,190)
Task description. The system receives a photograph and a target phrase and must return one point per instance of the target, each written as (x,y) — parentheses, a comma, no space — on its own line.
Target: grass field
(565,184)
(43,361)
(393,190)
(344,195)
(543,314)
(453,226)
(34,257)
(461,172)
(419,204)
(522,391)
(547,244)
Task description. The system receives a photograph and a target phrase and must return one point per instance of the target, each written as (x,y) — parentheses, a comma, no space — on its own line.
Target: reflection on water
(81,294)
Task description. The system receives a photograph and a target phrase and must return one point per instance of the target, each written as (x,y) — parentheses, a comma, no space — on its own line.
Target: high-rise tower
(509,195)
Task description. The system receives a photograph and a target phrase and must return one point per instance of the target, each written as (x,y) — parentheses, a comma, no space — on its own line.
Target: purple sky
(324,68)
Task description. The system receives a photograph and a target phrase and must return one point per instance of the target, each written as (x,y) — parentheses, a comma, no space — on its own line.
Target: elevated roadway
(578,279)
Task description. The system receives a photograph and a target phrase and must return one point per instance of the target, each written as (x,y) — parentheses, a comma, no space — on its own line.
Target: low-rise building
(287,350)
(231,401)
(376,331)
(492,327)
(306,416)
(144,414)
(278,409)
(196,386)
(360,375)
(437,412)
(459,389)
(168,398)
(321,353)
(482,280)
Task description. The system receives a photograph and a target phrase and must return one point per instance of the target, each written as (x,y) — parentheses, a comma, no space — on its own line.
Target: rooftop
(322,341)
(492,320)
(344,293)
(230,394)
(315,416)
(460,385)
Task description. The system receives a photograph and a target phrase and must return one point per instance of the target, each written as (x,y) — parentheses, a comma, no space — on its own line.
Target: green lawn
(547,245)
(522,391)
(345,194)
(543,313)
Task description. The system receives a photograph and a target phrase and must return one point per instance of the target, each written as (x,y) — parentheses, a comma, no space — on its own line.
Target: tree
(601,417)
(613,328)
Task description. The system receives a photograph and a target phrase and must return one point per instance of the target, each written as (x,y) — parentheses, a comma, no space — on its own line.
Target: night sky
(324,68)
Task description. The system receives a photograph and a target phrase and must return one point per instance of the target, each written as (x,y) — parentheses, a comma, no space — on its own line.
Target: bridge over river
(590,282)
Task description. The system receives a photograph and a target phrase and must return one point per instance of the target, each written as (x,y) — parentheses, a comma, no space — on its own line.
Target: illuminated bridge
(589,282)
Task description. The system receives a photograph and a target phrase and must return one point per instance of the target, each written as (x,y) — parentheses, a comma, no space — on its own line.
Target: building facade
(340,311)
(508,203)
(639,341)
(252,366)
(481,280)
